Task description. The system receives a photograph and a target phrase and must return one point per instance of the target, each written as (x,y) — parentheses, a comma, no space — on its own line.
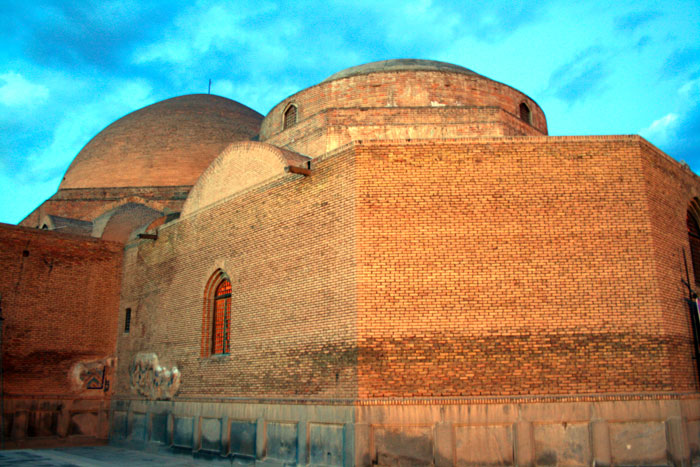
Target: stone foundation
(53,422)
(508,431)
(272,434)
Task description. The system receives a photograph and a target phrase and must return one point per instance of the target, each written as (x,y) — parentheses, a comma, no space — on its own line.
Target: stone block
(183,431)
(326,445)
(403,445)
(282,442)
(84,423)
(119,424)
(484,444)
(562,444)
(211,434)
(137,427)
(694,440)
(638,443)
(243,438)
(159,428)
(20,420)
(42,424)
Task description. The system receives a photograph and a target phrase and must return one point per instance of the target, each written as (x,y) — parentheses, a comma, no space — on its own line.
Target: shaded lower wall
(35,422)
(274,434)
(60,297)
(632,430)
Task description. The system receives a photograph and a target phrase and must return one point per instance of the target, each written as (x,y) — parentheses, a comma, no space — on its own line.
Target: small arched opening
(290,116)
(216,319)
(525,113)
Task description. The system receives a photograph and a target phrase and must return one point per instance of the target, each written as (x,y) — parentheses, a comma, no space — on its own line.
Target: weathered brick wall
(513,266)
(288,249)
(60,297)
(394,102)
(670,188)
(90,203)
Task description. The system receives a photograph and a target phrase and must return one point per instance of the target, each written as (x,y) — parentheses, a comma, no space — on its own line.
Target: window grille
(694,239)
(290,116)
(222,318)
(127,321)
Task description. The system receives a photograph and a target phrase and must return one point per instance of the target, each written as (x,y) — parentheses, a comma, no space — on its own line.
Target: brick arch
(239,167)
(693,227)
(290,115)
(694,207)
(123,222)
(208,310)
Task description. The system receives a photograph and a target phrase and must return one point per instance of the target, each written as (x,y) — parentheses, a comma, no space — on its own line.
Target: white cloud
(691,89)
(661,131)
(30,192)
(219,27)
(78,125)
(17,91)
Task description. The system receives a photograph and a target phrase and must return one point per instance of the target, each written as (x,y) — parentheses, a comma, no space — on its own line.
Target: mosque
(396,266)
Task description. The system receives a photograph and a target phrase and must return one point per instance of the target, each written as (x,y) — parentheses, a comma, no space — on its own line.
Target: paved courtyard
(96,456)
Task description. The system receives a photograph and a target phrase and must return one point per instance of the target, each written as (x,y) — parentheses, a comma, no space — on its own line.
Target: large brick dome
(169,143)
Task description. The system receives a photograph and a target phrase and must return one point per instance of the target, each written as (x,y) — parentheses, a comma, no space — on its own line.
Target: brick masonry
(287,248)
(521,266)
(492,266)
(447,278)
(398,105)
(59,297)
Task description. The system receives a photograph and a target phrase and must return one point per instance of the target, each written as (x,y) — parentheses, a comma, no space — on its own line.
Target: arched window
(290,116)
(221,318)
(694,240)
(525,114)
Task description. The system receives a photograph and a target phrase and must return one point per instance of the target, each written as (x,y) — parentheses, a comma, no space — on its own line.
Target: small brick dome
(400,99)
(400,64)
(169,143)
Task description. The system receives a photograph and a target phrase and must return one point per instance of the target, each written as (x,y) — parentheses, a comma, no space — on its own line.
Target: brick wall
(288,249)
(492,266)
(60,296)
(670,188)
(518,266)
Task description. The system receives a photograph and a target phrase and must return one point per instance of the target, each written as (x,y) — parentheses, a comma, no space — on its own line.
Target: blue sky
(68,69)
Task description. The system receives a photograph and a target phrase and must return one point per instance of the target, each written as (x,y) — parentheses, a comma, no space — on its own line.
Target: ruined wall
(511,267)
(90,203)
(60,296)
(288,249)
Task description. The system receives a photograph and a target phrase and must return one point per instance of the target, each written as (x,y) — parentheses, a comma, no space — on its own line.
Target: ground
(97,456)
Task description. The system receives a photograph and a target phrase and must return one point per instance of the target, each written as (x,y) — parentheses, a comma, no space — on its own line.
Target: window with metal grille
(222,318)
(127,321)
(694,239)
(290,116)
(525,114)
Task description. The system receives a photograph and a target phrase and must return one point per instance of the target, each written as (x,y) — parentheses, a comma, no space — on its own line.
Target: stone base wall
(512,432)
(632,430)
(260,433)
(54,422)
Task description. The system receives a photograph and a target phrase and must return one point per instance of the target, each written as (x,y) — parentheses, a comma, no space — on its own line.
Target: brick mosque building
(397,266)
